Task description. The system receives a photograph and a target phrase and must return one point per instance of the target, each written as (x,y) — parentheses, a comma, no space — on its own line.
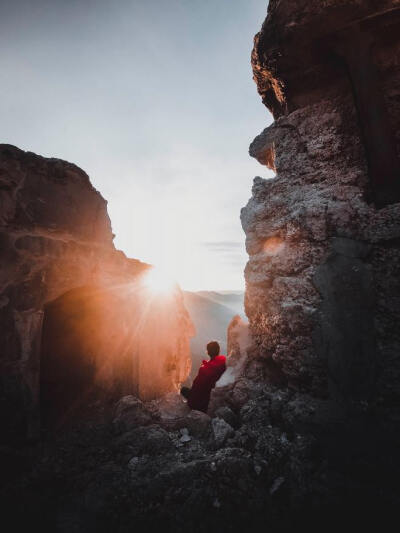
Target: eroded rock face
(59,268)
(290,65)
(323,235)
(238,342)
(308,52)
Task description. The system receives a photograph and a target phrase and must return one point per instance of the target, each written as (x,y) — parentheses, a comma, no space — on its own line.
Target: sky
(156,102)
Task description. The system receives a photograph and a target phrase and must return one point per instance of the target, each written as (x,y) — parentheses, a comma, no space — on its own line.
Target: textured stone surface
(308,52)
(59,269)
(238,341)
(267,472)
(288,59)
(221,431)
(129,413)
(322,289)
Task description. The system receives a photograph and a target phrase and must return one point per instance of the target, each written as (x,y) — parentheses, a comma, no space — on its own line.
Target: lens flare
(158,281)
(273,245)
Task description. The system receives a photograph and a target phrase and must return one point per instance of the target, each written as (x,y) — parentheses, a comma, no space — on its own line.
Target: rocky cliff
(323,235)
(76,314)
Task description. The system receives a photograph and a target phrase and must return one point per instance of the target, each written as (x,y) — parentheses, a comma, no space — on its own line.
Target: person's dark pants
(185,391)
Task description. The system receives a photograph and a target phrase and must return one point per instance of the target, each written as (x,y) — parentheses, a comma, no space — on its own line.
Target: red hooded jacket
(209,373)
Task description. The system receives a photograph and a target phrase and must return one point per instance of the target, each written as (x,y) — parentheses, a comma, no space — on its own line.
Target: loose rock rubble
(124,467)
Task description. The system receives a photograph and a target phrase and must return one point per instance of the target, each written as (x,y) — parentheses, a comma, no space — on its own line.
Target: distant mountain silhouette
(211,313)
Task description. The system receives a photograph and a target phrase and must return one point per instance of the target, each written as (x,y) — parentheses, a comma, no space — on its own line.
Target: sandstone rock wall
(323,292)
(59,265)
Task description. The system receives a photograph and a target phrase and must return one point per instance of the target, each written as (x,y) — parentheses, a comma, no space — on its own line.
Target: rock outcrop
(75,313)
(322,280)
(323,296)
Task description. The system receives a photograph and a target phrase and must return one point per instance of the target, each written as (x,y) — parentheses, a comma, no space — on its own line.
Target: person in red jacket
(209,373)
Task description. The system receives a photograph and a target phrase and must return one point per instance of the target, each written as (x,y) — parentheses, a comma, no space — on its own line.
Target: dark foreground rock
(270,471)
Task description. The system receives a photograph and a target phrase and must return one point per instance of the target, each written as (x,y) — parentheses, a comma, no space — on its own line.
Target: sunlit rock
(78,318)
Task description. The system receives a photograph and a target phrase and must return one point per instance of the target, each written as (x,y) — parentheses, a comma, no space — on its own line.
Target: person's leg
(185,391)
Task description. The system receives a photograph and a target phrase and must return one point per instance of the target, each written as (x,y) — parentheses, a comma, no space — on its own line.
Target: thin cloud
(224,246)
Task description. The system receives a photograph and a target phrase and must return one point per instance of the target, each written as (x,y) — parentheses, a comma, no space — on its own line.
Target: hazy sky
(155,101)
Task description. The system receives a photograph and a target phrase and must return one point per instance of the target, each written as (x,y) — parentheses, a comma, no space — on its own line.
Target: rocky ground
(129,466)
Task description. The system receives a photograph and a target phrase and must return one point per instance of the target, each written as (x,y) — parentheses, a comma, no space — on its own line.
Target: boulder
(221,431)
(130,412)
(151,440)
(198,423)
(170,411)
(228,415)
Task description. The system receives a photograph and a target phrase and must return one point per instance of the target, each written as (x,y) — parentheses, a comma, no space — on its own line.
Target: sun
(158,281)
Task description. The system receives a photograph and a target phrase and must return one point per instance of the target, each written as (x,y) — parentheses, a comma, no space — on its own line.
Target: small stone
(221,431)
(284,439)
(185,437)
(276,485)
(257,469)
(216,503)
(133,462)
